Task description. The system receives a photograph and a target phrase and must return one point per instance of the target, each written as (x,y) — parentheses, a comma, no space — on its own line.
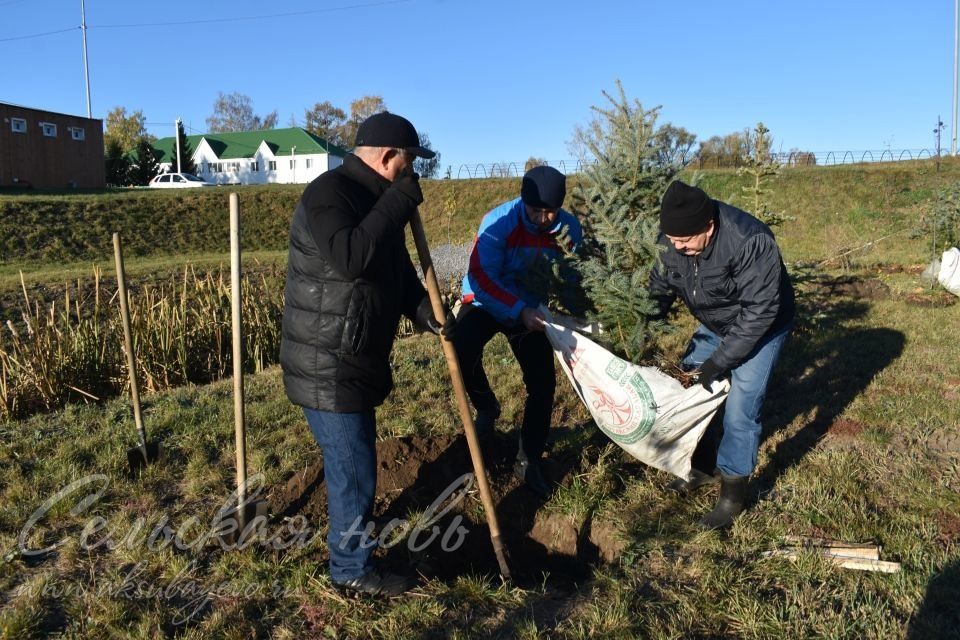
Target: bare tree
(674,144)
(234,112)
(427,167)
(360,110)
(532,162)
(326,121)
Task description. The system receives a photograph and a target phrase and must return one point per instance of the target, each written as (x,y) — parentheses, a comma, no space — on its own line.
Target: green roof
(244,144)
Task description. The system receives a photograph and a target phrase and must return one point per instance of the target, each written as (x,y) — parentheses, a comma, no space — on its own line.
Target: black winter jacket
(349,278)
(737,287)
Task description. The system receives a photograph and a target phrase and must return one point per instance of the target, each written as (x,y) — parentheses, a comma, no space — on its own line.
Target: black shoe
(697,479)
(532,476)
(485,422)
(377,583)
(733,495)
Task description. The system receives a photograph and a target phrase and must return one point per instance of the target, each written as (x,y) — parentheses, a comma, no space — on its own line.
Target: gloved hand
(409,185)
(426,320)
(710,371)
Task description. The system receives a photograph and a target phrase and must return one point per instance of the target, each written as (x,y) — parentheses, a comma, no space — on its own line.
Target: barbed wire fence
(787,159)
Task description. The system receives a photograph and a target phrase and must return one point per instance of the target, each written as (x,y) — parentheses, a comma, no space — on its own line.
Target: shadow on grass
(939,614)
(823,370)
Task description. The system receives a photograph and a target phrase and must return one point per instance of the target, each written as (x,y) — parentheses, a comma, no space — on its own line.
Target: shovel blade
(256,512)
(136,460)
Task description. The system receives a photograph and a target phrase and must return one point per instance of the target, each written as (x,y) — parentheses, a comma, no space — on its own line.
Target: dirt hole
(415,471)
(853,287)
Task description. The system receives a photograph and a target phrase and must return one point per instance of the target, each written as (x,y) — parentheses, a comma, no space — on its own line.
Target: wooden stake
(128,346)
(476,456)
(838,547)
(847,562)
(240,438)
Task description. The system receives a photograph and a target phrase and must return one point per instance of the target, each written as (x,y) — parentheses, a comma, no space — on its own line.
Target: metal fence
(787,159)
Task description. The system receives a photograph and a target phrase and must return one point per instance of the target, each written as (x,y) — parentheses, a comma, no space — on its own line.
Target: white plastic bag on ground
(648,413)
(950,271)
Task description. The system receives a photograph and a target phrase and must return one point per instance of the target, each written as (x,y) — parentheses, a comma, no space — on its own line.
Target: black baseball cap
(387,129)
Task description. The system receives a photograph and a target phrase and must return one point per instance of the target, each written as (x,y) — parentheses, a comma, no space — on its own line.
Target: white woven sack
(950,271)
(648,413)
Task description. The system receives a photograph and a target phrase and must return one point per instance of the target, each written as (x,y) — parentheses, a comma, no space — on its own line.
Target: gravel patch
(449,262)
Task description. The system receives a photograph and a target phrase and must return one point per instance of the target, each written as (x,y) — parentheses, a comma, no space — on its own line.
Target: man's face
(695,244)
(543,218)
(400,163)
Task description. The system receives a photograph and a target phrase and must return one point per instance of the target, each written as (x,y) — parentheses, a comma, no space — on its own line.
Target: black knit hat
(685,210)
(390,130)
(543,187)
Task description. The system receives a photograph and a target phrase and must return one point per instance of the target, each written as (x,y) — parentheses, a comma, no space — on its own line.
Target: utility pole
(177,134)
(86,64)
(956,53)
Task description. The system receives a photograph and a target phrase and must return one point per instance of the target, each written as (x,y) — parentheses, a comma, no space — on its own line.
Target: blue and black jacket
(506,246)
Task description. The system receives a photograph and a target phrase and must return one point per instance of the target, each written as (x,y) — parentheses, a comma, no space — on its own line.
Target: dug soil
(415,471)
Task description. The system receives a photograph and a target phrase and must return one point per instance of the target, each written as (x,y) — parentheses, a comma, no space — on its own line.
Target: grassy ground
(861,443)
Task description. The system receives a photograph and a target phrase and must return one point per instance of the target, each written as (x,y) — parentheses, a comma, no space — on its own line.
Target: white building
(286,156)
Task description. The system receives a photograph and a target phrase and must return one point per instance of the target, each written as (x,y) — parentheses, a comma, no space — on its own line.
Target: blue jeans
(348,444)
(737,453)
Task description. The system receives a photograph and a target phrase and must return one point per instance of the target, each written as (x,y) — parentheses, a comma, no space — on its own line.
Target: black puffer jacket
(349,278)
(737,287)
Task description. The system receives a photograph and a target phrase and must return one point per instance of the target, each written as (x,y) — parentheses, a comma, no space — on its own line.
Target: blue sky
(502,80)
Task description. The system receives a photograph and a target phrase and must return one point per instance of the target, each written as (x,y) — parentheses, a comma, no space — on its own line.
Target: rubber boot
(530,473)
(697,479)
(733,496)
(532,476)
(486,421)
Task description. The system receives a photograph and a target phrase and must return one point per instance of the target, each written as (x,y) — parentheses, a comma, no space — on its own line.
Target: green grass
(861,443)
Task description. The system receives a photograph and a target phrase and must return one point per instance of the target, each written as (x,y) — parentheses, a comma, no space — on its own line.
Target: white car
(178,181)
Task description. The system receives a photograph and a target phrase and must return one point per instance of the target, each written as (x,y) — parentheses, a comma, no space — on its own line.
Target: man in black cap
(349,278)
(726,266)
(511,237)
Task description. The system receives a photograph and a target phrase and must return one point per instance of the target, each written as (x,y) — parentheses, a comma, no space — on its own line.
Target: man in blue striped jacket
(511,238)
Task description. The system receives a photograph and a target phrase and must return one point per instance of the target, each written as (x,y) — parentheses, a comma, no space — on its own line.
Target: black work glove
(710,371)
(426,320)
(409,185)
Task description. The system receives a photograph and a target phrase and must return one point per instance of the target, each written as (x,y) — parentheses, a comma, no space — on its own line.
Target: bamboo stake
(128,345)
(238,418)
(439,313)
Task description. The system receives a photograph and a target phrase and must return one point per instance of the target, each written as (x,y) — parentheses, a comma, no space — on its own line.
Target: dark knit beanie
(543,187)
(685,210)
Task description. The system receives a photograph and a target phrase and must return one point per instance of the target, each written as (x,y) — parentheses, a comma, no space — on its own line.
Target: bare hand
(532,319)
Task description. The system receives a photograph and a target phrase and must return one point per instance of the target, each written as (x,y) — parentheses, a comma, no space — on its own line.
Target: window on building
(18,125)
(309,162)
(77,133)
(272,165)
(49,129)
(254,166)
(293,164)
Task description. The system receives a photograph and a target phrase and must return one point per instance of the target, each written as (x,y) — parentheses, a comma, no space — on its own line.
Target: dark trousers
(475,328)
